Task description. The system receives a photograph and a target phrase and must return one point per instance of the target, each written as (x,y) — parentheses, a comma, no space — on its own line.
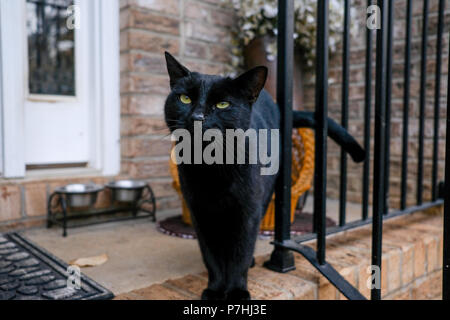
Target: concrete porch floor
(139,255)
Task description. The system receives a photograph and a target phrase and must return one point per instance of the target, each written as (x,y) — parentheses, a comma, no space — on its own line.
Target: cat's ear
(252,82)
(175,69)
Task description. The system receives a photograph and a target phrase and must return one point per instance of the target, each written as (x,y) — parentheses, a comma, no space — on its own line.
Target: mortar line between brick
(152,11)
(162,34)
(22,202)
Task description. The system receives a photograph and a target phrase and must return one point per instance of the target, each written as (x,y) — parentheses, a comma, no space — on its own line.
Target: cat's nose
(198,116)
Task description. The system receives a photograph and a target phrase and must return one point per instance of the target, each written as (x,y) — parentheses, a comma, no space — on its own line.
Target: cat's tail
(304,119)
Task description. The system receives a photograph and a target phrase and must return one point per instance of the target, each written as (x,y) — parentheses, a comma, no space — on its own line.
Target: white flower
(270,11)
(247,26)
(270,57)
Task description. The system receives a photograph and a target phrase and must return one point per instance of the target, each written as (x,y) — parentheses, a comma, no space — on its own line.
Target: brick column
(198,33)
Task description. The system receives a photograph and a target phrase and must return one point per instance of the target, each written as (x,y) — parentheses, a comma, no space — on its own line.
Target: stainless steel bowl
(80,195)
(126,190)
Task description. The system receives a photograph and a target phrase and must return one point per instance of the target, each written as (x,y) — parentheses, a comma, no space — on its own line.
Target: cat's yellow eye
(185,99)
(223,105)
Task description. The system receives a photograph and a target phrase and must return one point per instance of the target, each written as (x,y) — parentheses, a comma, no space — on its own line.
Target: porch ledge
(411,267)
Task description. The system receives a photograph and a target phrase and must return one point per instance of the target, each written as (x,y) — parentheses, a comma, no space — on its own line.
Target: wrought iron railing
(282,258)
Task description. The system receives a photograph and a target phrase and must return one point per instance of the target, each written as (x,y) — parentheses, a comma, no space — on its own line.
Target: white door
(59,86)
(57,106)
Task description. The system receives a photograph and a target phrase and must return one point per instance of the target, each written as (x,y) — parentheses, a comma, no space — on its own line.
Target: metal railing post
(282,259)
(387,136)
(367,115)
(422,103)
(344,116)
(379,149)
(446,258)
(320,173)
(437,97)
(406,101)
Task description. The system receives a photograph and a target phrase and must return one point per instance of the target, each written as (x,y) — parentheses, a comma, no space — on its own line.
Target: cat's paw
(209,294)
(238,294)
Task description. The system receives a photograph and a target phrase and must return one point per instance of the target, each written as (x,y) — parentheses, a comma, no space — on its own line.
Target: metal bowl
(126,190)
(80,195)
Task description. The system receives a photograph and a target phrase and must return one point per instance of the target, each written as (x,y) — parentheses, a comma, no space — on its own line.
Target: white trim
(51,98)
(96,126)
(62,172)
(110,89)
(1,105)
(104,46)
(12,13)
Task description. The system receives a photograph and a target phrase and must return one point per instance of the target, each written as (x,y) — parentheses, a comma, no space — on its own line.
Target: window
(51,48)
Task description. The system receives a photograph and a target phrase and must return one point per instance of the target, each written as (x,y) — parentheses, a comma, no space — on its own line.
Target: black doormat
(28,272)
(175,226)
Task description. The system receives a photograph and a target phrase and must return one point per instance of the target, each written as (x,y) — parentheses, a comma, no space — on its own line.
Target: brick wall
(198,33)
(356,102)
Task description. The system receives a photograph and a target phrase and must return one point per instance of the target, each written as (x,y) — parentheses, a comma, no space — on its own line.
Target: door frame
(105,77)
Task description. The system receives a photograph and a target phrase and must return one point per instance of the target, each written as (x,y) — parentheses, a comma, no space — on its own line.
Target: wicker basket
(302,175)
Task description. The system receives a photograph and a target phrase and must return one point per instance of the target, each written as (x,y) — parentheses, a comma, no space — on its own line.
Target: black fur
(304,119)
(227,202)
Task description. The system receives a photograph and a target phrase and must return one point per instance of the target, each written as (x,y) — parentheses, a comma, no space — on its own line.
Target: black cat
(228,201)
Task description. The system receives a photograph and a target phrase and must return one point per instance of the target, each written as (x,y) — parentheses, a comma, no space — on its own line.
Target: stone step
(411,267)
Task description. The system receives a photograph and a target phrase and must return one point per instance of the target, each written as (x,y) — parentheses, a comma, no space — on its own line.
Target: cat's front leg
(238,295)
(216,284)
(226,281)
(209,294)
(237,287)
(216,291)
